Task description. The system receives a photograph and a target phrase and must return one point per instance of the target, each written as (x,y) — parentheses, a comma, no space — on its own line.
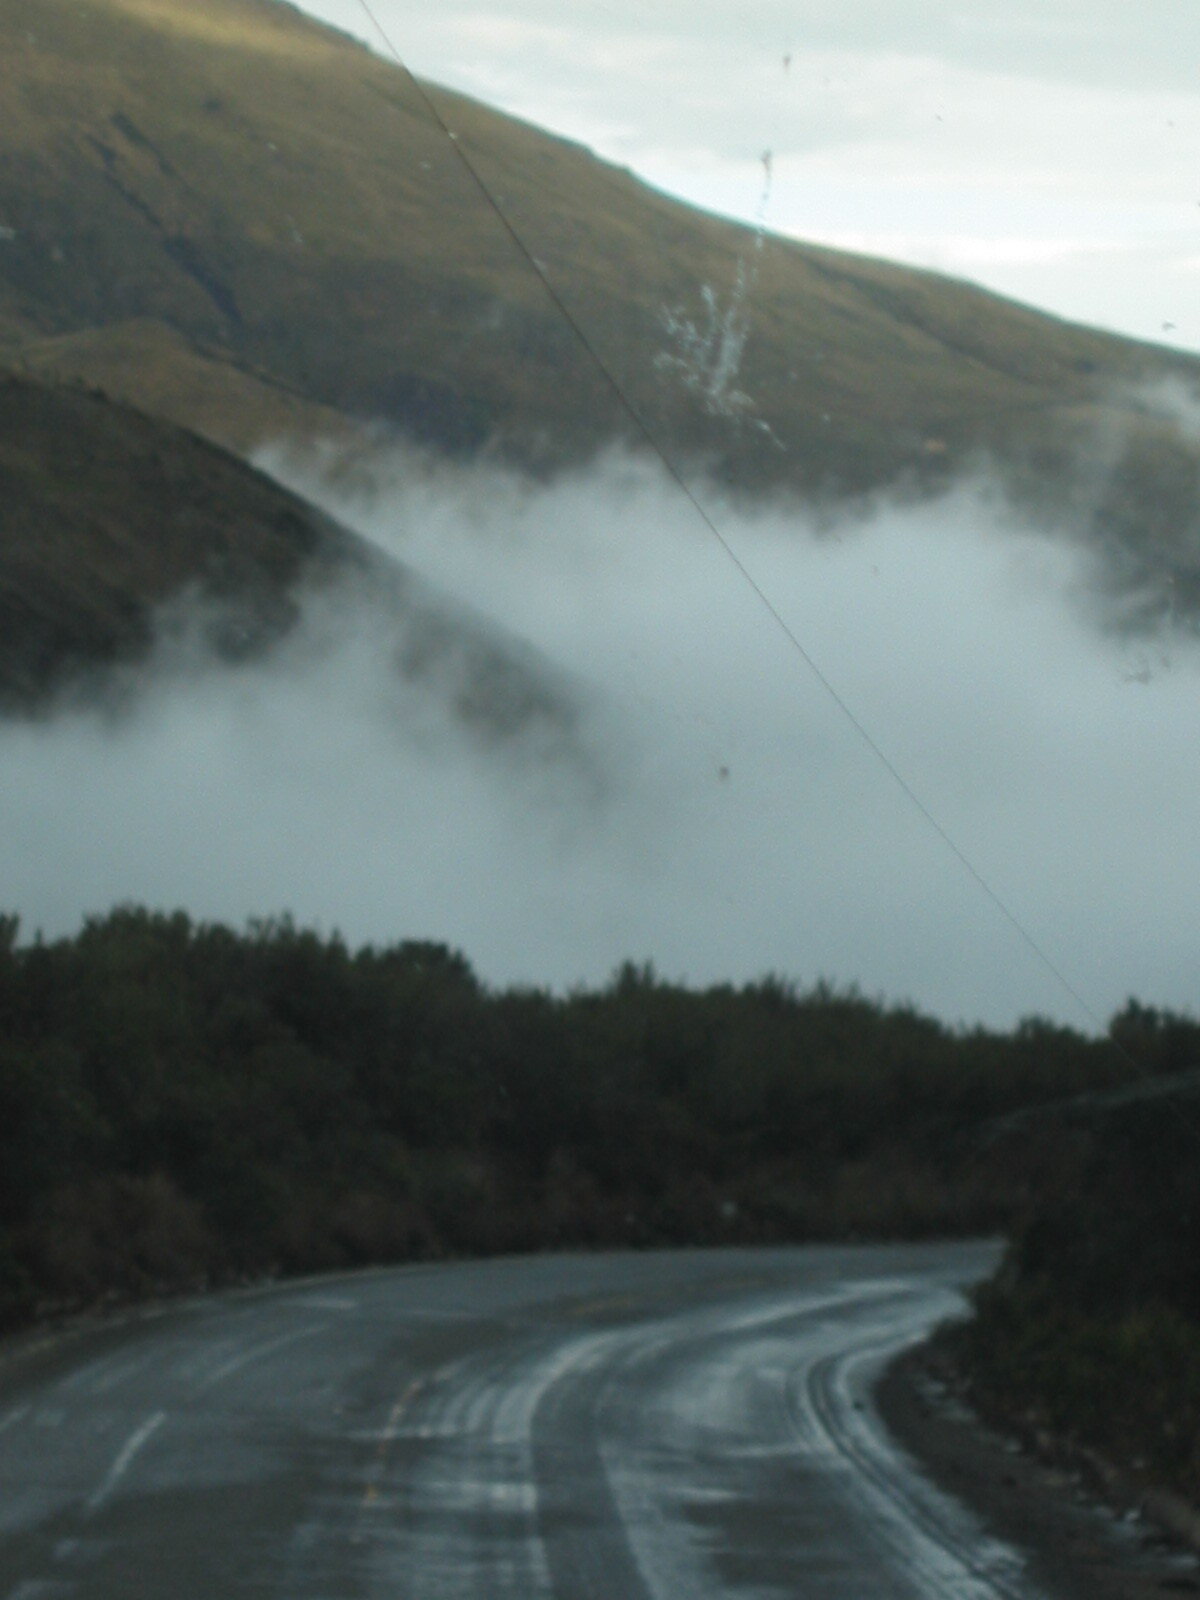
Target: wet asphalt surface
(676,1426)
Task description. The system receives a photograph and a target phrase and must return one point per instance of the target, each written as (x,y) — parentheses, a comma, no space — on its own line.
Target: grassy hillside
(108,515)
(248,223)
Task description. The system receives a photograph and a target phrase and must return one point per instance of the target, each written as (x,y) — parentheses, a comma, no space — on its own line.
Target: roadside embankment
(1076,1383)
(1088,1531)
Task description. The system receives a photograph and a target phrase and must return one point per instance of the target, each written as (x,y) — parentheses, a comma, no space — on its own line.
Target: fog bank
(713,810)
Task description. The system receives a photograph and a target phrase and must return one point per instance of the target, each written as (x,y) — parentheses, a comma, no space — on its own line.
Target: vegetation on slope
(1091,1330)
(232,199)
(181,1103)
(245,222)
(109,518)
(107,514)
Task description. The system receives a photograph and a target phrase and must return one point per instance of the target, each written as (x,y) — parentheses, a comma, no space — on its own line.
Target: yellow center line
(383,1450)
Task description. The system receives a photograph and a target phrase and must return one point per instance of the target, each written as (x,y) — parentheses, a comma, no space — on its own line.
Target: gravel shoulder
(1082,1542)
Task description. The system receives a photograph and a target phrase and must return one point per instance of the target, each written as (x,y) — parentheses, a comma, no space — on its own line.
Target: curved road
(676,1426)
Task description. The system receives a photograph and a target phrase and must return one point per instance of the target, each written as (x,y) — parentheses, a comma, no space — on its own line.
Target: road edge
(1088,1533)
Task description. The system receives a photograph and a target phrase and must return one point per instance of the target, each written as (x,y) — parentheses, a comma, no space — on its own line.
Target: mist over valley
(671,782)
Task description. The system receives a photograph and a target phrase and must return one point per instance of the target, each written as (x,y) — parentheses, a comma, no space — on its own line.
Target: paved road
(683,1426)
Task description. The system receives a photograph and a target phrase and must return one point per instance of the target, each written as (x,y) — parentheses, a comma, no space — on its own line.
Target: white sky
(1049,149)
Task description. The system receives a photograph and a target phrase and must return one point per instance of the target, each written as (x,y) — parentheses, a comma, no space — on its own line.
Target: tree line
(184,1104)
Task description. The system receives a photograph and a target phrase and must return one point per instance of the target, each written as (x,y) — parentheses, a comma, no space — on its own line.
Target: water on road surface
(691,1425)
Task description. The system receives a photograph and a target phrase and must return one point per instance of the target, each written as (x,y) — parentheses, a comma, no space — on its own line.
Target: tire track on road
(947,1553)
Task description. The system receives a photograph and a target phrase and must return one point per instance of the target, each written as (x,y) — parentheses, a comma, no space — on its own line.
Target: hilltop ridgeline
(246,221)
(243,222)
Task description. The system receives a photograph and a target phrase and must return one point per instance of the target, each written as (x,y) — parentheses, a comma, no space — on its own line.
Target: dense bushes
(1125,1384)
(181,1103)
(1092,1327)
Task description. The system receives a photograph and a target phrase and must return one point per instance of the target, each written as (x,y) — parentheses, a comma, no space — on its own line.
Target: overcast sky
(1049,149)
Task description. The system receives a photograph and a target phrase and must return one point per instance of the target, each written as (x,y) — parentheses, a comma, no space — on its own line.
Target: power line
(643,427)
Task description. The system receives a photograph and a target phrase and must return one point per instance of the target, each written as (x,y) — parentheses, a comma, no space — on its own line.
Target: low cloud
(705,805)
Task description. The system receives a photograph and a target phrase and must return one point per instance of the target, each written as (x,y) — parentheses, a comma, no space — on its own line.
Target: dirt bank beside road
(1082,1543)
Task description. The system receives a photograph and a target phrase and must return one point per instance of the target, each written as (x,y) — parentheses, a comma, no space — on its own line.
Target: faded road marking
(124,1460)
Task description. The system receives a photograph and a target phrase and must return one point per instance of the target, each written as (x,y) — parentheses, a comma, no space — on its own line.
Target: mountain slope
(108,518)
(107,514)
(249,223)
